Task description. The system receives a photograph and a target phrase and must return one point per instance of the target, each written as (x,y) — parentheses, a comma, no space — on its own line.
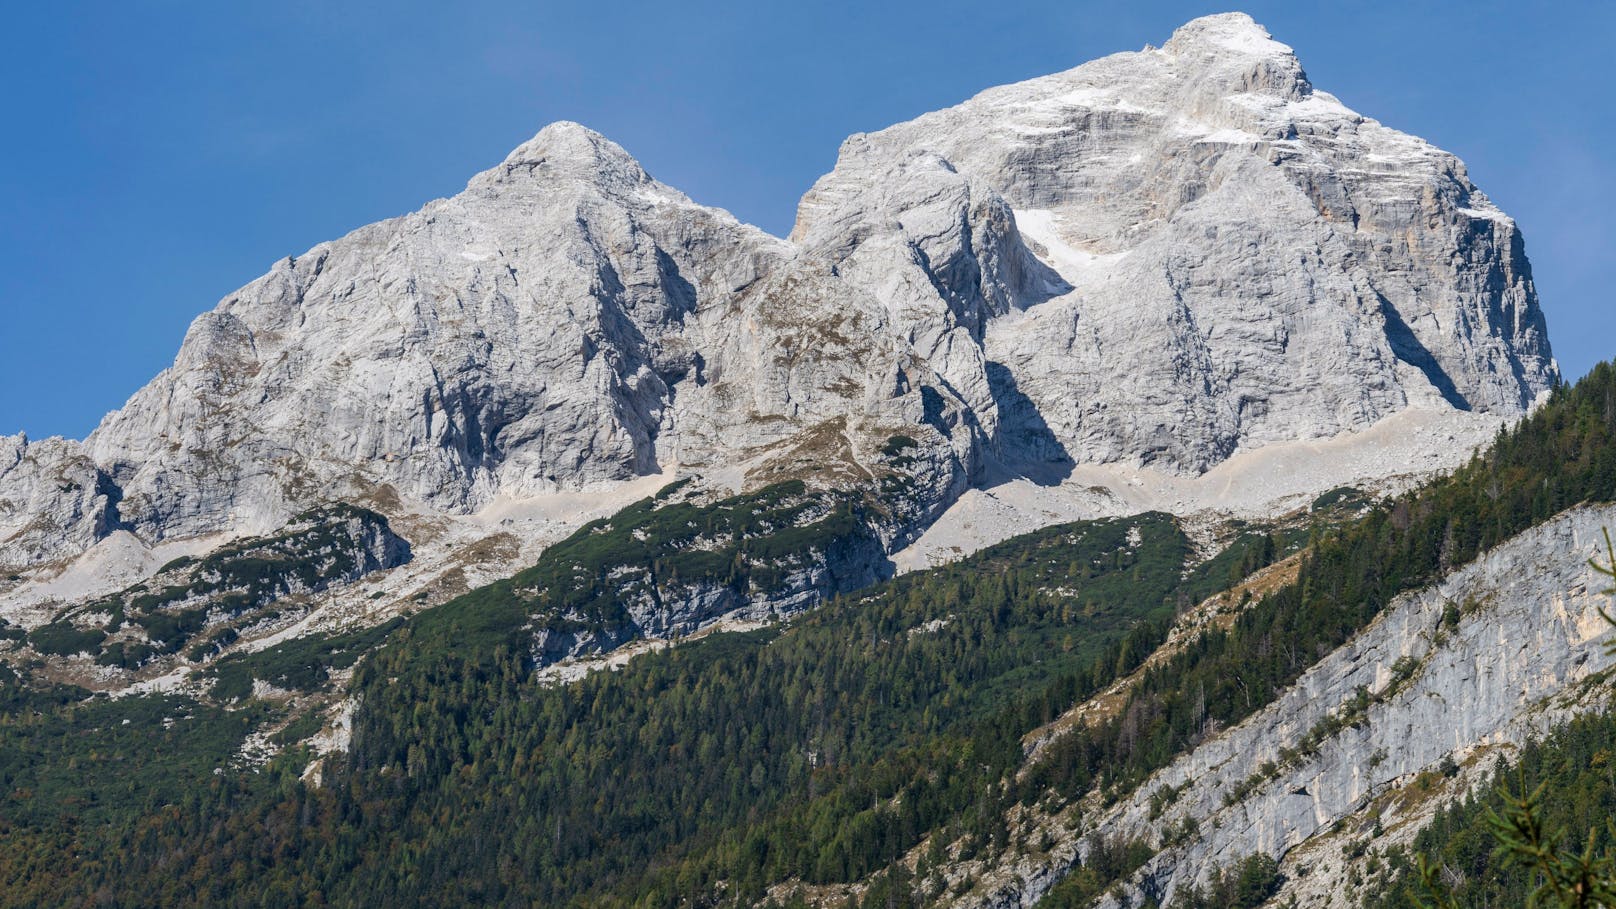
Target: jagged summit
(1225,34)
(1247,259)
(568,150)
(1232,50)
(565,138)
(1157,260)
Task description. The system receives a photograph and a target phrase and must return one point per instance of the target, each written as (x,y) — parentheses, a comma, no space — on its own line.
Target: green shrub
(63,638)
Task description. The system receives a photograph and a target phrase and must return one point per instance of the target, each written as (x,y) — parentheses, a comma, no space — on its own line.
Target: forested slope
(800,756)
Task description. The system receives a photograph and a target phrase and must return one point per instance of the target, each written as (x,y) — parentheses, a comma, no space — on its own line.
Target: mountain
(1104,493)
(1241,258)
(1159,259)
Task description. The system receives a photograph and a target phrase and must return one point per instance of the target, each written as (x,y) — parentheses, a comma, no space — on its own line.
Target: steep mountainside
(1053,721)
(1457,675)
(1242,258)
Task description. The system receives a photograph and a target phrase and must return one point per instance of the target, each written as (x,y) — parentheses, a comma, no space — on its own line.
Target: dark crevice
(1407,347)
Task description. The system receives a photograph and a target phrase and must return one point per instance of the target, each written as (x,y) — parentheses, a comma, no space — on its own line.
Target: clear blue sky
(159,154)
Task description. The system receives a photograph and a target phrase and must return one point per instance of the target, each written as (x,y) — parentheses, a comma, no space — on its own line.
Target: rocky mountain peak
(1160,259)
(1230,54)
(565,150)
(1205,196)
(1225,34)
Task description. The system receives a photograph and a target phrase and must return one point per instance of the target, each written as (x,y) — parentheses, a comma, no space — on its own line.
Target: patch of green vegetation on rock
(300,664)
(656,551)
(63,638)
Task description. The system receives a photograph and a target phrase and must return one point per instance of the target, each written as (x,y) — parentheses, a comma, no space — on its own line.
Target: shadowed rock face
(1157,258)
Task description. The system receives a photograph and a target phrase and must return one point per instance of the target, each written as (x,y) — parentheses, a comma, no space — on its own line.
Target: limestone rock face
(54,501)
(522,336)
(1246,259)
(565,322)
(1159,258)
(1495,655)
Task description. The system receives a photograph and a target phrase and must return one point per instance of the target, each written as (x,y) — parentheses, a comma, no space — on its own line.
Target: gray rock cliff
(1240,257)
(1496,654)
